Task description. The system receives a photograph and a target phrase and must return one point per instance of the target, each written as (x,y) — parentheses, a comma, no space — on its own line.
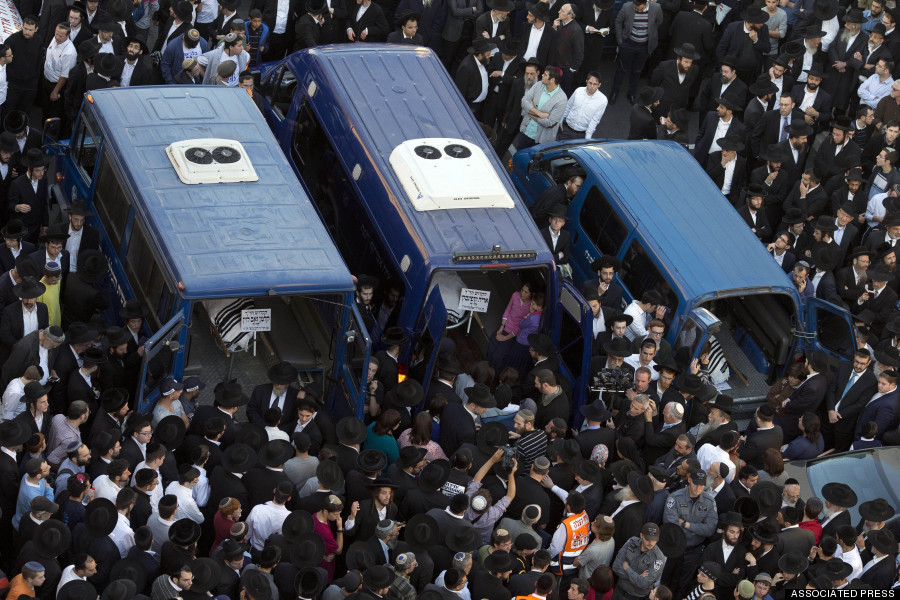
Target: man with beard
(727,85)
(720,124)
(753,214)
(747,41)
(681,451)
(727,168)
(851,281)
(677,78)
(762,556)
(873,15)
(813,55)
(863,125)
(729,553)
(695,512)
(838,497)
(774,180)
(605,286)
(682,475)
(814,102)
(78,456)
(113,373)
(544,105)
(718,422)
(841,73)
(472,75)
(795,150)
(850,199)
(555,195)
(510,115)
(778,74)
(888,108)
(774,125)
(673,127)
(135,71)
(864,61)
(21,318)
(762,90)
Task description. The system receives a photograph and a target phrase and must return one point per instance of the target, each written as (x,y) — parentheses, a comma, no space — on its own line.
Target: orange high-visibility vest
(578,532)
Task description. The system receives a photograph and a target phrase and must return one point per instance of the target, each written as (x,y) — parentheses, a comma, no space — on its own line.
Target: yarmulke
(34,566)
(230,38)
(52,267)
(531,514)
(226,68)
(404,560)
(239,529)
(541,464)
(188,63)
(193,35)
(479,503)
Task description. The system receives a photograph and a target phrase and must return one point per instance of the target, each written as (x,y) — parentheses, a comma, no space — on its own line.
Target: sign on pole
(256,319)
(474,300)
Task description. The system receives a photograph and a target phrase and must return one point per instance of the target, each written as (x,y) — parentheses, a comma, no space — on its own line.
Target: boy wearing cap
(232,50)
(639,564)
(23,584)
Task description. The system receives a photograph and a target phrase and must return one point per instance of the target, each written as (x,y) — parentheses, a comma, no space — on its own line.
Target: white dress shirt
(60,60)
(534,40)
(187,506)
(122,535)
(264,520)
(583,112)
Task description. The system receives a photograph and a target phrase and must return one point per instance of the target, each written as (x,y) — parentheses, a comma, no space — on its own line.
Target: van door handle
(575,237)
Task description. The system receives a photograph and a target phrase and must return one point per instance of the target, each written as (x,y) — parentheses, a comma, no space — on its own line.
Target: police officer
(639,564)
(695,512)
(570,538)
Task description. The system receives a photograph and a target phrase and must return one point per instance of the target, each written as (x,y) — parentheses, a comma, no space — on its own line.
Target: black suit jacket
(643,124)
(81,300)
(880,576)
(563,252)
(373,20)
(163,40)
(439,387)
(795,539)
(736,92)
(483,24)
(457,427)
(716,172)
(27,419)
(847,288)
(396,37)
(805,398)
(224,484)
(714,552)
(882,306)
(822,103)
(707,132)
(24,354)
(826,157)
(691,27)
(628,524)
(7,261)
(308,31)
(259,404)
(793,168)
(768,129)
(21,192)
(677,94)
(836,523)
(468,79)
(763,230)
(12,323)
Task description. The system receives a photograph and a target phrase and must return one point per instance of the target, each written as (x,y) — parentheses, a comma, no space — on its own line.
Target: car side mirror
(257,77)
(534,165)
(51,130)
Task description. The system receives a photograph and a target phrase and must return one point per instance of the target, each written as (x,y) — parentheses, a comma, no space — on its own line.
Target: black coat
(546,50)
(714,552)
(484,24)
(843,518)
(81,300)
(716,172)
(373,20)
(628,524)
(562,254)
(657,442)
(308,32)
(677,94)
(793,168)
(758,442)
(880,576)
(805,398)
(691,27)
(12,323)
(712,89)
(207,411)
(259,404)
(8,261)
(224,484)
(261,483)
(589,438)
(468,79)
(24,354)
(707,132)
(768,130)
(761,228)
(826,158)
(486,586)
(21,192)
(643,124)
(396,37)
(457,427)
(822,103)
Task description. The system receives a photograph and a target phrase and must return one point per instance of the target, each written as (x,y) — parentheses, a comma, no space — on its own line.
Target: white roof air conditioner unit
(443,174)
(211,160)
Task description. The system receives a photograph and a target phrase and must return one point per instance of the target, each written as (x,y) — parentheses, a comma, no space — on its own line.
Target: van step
(758,387)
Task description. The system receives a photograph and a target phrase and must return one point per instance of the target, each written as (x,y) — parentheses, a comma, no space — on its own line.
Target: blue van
(650,204)
(411,190)
(202,219)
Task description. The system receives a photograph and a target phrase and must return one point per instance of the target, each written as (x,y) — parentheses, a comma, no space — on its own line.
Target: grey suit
(795,539)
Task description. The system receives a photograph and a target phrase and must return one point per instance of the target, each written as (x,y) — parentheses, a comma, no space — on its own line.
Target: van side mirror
(257,77)
(534,165)
(51,130)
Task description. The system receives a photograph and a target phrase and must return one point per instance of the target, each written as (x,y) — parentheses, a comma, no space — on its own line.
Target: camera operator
(530,442)
(630,422)
(610,374)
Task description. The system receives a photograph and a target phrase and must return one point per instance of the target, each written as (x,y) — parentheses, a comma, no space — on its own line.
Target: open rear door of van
(829,328)
(699,324)
(356,346)
(429,330)
(160,347)
(572,336)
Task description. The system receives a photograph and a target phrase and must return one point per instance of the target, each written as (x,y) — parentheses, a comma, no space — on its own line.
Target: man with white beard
(511,115)
(874,514)
(838,498)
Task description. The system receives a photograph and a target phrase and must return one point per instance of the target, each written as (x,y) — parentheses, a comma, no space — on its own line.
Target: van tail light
(509,166)
(401,373)
(60,178)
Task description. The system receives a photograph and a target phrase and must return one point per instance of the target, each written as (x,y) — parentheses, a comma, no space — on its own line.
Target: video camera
(612,380)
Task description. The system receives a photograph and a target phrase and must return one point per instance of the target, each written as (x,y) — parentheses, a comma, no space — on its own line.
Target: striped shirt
(529,447)
(639,27)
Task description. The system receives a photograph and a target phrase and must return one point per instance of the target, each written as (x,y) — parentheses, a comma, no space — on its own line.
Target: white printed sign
(474,300)
(256,319)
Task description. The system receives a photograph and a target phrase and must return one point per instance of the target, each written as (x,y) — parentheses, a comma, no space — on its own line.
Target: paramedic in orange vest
(542,588)
(571,537)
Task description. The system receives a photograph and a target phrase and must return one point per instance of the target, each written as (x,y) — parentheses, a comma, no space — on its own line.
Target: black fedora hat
(619,316)
(754,15)
(843,123)
(567,451)
(884,541)
(887,356)
(88,49)
(876,510)
(748,508)
(410,456)
(480,395)
(839,494)
(116,336)
(792,216)
(434,474)
(595,411)
(29,287)
(825,223)
(854,15)
(589,470)
(491,436)
(641,486)
(378,577)
(14,230)
(540,10)
(680,117)
(755,190)
(360,557)
(880,272)
(238,458)
(80,333)
(620,470)
(298,523)
(92,265)
(542,344)
(316,7)
(95,356)
(330,475)
(813,30)
(498,562)
(689,383)
(130,568)
(282,373)
(309,581)
(605,4)
(448,366)
(618,347)
(77,589)
(764,533)
(406,16)
(767,496)
(132,310)
(407,393)
(732,519)
(510,46)
(229,394)
(815,71)
(825,10)
(825,258)
(763,86)
(108,65)
(255,583)
(394,336)
(649,95)
(773,153)
(463,539)
(836,569)
(799,128)
(350,431)
(688,50)
(122,589)
(252,434)
(729,104)
(723,402)
(184,532)
(558,212)
(113,399)
(480,46)
(667,364)
(793,563)
(275,453)
(100,517)
(206,574)
(58,232)
(672,541)
(501,5)
(51,538)
(16,122)
(421,532)
(861,251)
(170,431)
(371,461)
(731,142)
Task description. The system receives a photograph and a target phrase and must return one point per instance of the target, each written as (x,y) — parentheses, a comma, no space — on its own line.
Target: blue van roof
(410,96)
(223,238)
(657,174)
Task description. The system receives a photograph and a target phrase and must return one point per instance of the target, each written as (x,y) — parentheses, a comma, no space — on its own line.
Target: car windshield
(871,475)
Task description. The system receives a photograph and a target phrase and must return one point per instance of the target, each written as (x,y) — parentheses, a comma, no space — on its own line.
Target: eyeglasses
(148,432)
